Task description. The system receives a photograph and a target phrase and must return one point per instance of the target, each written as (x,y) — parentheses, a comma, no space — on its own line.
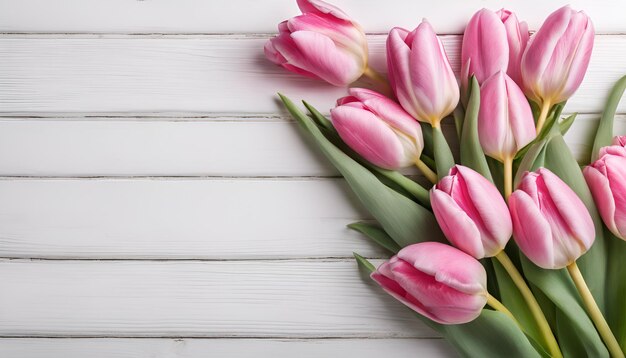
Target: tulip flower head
(505,120)
(557,56)
(322,43)
(517,37)
(551,225)
(471,212)
(420,73)
(438,281)
(606,178)
(485,48)
(378,129)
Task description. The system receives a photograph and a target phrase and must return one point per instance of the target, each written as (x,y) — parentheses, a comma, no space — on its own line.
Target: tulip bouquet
(559,287)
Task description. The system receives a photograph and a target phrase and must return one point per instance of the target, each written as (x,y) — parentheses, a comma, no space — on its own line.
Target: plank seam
(178,337)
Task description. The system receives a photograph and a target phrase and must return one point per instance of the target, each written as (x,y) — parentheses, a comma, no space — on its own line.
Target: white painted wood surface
(202,74)
(156,201)
(232,348)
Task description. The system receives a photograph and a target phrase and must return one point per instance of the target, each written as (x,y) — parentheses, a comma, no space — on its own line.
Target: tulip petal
(389,111)
(531,231)
(322,8)
(398,54)
(458,227)
(601,190)
(570,211)
(370,137)
(450,266)
(277,48)
(485,43)
(320,55)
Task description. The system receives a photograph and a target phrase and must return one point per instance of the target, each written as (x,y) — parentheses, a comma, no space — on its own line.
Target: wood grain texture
(198,16)
(198,299)
(202,74)
(222,348)
(242,147)
(186,218)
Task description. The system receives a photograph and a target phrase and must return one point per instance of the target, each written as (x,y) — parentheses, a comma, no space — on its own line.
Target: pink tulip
(606,178)
(551,225)
(619,140)
(557,56)
(420,73)
(471,212)
(322,43)
(505,120)
(517,36)
(378,129)
(437,281)
(485,48)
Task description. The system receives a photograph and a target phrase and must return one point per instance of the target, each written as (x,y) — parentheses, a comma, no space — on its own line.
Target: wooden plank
(191,147)
(198,299)
(186,218)
(201,74)
(231,348)
(198,16)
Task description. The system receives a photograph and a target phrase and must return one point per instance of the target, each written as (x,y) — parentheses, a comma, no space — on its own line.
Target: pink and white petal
(531,231)
(322,8)
(458,227)
(326,60)
(398,65)
(448,265)
(490,205)
(570,208)
(602,196)
(369,136)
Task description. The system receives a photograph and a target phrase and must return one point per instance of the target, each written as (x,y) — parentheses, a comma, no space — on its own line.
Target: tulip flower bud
(378,129)
(551,225)
(517,36)
(420,73)
(485,48)
(505,120)
(557,56)
(471,212)
(605,178)
(437,281)
(619,140)
(322,43)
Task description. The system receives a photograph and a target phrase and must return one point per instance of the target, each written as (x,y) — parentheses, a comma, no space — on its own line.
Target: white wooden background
(155,201)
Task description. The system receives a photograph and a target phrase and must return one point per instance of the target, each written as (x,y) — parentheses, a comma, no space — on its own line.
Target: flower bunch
(557,289)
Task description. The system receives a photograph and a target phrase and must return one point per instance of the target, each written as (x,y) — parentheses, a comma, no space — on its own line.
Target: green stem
(429,174)
(545,108)
(508,177)
(594,312)
(443,155)
(498,306)
(532,303)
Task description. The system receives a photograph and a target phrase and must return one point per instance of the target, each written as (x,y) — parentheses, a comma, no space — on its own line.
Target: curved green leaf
(616,288)
(566,123)
(604,133)
(443,155)
(376,234)
(403,219)
(472,154)
(364,264)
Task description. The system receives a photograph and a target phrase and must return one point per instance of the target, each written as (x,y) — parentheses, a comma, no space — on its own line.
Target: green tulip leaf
(443,154)
(616,287)
(459,117)
(427,134)
(566,123)
(364,264)
(319,118)
(376,234)
(559,288)
(604,134)
(492,334)
(404,220)
(512,298)
(472,154)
